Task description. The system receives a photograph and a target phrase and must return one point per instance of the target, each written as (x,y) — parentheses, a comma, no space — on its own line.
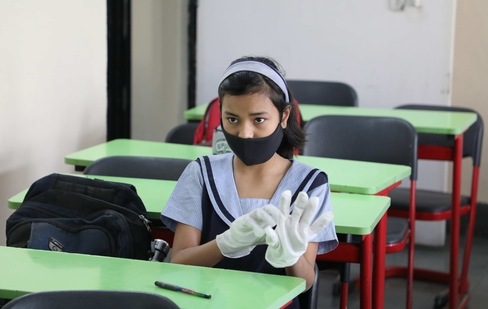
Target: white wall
(388,57)
(52,88)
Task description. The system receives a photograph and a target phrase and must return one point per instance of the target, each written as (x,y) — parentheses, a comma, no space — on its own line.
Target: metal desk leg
(366,272)
(379,262)
(456,200)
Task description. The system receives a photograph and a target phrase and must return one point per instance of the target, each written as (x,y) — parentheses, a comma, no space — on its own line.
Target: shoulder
(303,177)
(215,161)
(316,175)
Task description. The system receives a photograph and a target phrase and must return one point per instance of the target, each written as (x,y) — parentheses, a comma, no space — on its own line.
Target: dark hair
(246,82)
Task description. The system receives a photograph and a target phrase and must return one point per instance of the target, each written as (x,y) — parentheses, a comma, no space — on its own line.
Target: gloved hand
(293,231)
(247,231)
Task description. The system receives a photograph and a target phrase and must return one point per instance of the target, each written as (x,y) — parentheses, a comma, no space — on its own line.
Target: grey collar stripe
(258,67)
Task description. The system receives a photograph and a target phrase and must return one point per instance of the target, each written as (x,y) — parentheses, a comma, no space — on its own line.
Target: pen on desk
(172,287)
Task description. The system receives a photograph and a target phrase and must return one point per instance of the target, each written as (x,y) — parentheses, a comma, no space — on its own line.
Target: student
(233,210)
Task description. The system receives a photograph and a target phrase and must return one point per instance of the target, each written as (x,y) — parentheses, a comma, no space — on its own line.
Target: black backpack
(81,215)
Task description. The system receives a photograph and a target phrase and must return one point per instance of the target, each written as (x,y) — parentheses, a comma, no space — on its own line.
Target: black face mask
(254,151)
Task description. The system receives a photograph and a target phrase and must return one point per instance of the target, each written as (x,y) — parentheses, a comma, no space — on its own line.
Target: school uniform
(206,198)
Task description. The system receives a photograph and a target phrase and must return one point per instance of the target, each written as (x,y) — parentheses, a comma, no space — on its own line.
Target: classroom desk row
(354,214)
(344,175)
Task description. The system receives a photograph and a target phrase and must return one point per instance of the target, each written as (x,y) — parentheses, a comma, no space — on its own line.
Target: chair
(434,205)
(323,92)
(182,133)
(138,167)
(309,299)
(374,139)
(88,299)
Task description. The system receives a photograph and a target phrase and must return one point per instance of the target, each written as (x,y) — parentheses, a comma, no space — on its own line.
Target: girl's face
(251,115)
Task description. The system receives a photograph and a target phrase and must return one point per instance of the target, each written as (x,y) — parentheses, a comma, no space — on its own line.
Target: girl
(222,207)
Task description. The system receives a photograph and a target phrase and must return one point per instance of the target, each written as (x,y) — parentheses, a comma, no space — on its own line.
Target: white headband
(261,68)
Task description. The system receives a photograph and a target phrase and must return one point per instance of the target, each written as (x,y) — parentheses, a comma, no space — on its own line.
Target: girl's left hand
(294,231)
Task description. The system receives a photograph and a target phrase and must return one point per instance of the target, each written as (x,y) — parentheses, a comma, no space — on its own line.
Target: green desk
(196,113)
(344,175)
(30,271)
(435,122)
(354,214)
(154,193)
(131,147)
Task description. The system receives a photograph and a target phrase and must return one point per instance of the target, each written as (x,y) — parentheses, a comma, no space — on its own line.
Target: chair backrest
(182,134)
(138,167)
(363,138)
(88,299)
(472,138)
(323,92)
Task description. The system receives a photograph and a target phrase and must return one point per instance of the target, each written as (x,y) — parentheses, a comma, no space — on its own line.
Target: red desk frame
(372,286)
(458,286)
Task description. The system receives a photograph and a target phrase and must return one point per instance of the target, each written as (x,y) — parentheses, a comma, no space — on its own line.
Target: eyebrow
(251,114)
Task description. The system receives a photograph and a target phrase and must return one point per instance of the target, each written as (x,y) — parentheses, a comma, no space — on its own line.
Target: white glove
(295,230)
(247,231)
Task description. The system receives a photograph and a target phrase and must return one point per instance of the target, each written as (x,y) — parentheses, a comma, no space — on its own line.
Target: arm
(305,266)
(181,215)
(187,249)
(239,240)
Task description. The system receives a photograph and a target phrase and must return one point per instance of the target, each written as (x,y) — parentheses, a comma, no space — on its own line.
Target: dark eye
(260,120)
(232,119)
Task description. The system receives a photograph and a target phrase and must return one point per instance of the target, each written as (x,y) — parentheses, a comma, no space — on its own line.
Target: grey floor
(424,292)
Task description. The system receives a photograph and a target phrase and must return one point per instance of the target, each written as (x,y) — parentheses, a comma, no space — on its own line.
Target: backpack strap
(210,120)
(298,113)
